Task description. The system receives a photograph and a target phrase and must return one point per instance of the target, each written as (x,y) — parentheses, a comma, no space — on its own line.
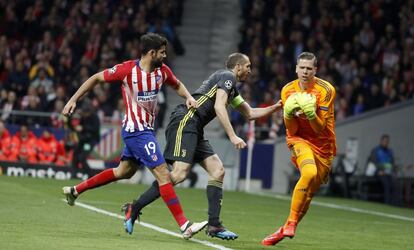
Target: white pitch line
(345,208)
(147,225)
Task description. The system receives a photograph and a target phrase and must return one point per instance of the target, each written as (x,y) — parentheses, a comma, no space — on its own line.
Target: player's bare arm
(183,92)
(254,113)
(221,112)
(83,89)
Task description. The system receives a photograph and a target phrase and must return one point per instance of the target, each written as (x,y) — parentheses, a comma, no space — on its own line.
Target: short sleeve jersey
(206,94)
(139,91)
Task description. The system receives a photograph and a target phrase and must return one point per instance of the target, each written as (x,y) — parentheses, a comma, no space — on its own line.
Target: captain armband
(236,101)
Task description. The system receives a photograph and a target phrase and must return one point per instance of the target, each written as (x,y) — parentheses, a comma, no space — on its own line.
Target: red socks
(171,200)
(167,193)
(98,180)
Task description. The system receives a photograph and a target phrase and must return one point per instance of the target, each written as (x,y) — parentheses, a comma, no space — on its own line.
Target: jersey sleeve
(169,76)
(117,73)
(326,101)
(287,90)
(227,82)
(283,95)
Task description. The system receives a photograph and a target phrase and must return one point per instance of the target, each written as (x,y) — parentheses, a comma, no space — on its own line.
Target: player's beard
(157,63)
(245,76)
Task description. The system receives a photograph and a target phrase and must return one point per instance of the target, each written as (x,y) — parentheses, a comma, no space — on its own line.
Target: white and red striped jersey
(139,90)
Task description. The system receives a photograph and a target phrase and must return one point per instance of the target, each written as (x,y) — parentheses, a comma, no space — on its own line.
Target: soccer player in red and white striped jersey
(139,91)
(140,82)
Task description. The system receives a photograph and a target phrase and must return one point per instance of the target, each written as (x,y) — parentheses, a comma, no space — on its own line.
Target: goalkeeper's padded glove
(307,103)
(290,106)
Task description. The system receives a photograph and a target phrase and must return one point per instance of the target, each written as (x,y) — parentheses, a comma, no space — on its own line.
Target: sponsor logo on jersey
(183,153)
(228,84)
(158,79)
(112,70)
(147,96)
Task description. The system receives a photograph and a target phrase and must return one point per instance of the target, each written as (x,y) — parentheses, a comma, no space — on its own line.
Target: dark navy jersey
(206,93)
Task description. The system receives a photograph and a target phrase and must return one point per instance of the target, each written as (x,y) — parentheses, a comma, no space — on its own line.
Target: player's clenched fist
(237,142)
(290,106)
(307,103)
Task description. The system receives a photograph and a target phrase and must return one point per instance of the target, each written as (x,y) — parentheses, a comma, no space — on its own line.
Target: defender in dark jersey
(186,144)
(185,133)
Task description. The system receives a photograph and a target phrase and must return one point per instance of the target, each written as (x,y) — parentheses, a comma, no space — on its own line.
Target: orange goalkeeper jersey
(323,143)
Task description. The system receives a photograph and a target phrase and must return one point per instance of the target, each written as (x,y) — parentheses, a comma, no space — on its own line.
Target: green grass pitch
(33,216)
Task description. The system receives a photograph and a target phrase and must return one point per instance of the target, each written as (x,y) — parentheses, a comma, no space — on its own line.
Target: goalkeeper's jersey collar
(298,85)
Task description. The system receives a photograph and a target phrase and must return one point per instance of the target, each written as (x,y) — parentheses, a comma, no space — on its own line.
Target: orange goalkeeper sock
(302,188)
(316,183)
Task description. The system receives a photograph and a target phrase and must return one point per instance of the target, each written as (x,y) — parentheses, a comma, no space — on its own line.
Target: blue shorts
(142,147)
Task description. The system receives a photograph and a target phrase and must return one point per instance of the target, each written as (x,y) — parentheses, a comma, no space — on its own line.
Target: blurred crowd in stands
(25,146)
(365,48)
(48,48)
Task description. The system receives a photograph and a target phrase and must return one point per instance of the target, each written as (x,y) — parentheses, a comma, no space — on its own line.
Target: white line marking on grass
(346,208)
(147,225)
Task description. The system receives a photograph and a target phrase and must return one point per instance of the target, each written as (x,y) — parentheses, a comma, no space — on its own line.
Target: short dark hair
(151,41)
(385,136)
(234,59)
(308,56)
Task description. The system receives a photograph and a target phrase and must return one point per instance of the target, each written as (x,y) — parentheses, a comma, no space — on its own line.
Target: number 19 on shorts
(150,146)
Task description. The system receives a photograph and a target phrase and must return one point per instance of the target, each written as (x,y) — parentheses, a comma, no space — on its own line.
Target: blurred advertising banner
(20,169)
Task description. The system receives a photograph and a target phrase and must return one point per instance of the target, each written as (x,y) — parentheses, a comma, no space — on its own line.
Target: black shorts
(185,139)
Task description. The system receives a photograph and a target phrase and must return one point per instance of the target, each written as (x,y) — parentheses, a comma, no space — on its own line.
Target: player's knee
(119,173)
(128,174)
(178,177)
(218,173)
(124,171)
(309,173)
(180,172)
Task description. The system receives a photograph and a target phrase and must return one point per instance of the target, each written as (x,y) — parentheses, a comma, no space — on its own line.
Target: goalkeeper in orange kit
(308,109)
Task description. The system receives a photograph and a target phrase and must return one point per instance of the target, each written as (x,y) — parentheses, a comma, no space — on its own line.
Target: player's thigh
(301,154)
(324,167)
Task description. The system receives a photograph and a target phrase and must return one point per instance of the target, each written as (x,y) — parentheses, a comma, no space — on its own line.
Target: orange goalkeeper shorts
(323,164)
